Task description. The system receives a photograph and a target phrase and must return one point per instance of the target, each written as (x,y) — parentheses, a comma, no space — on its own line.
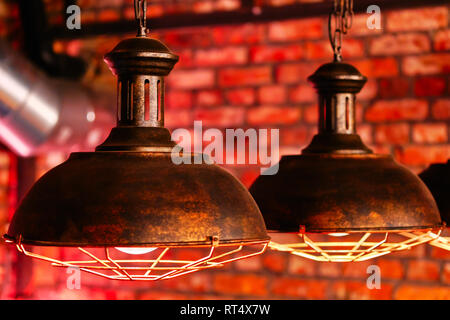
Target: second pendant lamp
(344,202)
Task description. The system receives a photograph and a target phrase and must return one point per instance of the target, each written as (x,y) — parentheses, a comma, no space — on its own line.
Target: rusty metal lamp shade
(343,202)
(129,193)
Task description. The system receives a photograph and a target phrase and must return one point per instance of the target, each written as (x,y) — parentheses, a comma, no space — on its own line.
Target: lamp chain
(140,10)
(341,17)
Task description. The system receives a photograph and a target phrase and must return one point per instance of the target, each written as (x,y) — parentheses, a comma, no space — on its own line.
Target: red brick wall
(254,75)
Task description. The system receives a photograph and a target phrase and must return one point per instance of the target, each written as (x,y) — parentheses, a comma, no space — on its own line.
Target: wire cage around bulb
(441,242)
(352,247)
(437,240)
(162,263)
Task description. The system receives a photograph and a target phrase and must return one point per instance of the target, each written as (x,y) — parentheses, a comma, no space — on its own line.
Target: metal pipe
(39,114)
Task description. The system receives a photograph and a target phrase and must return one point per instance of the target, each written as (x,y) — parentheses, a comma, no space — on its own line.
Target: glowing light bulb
(136,251)
(338,234)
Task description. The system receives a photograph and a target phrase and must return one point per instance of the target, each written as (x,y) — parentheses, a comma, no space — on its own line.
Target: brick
(377,67)
(426,64)
(391,269)
(295,72)
(221,117)
(195,282)
(153,10)
(178,99)
(209,98)
(245,76)
(296,29)
(394,110)
(393,88)
(161,295)
(242,34)
(351,48)
(311,114)
(423,155)
(186,58)
(439,253)
(245,96)
(246,285)
(178,118)
(274,94)
(366,132)
(295,136)
(423,270)
(356,270)
(446,273)
(192,79)
(228,5)
(430,133)
(358,290)
(330,270)
(108,15)
(399,44)
(275,261)
(442,40)
(188,38)
(203,7)
(416,292)
(441,109)
(369,91)
(417,19)
(300,266)
(221,56)
(273,115)
(359,26)
(392,133)
(277,3)
(250,264)
(88,16)
(4,178)
(302,93)
(429,86)
(266,53)
(296,288)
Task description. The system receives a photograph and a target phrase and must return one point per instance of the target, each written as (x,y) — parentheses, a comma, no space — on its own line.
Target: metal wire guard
(361,246)
(442,242)
(161,265)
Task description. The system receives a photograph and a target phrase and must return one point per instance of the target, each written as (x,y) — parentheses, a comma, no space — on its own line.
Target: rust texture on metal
(337,83)
(337,184)
(437,179)
(336,193)
(129,192)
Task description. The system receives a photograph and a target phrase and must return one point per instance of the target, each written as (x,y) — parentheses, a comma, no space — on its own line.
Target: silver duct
(40,114)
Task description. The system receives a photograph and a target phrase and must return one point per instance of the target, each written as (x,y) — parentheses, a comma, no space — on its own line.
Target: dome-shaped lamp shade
(338,201)
(130,195)
(437,179)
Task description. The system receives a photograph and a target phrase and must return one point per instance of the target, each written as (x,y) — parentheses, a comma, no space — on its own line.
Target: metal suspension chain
(140,11)
(341,18)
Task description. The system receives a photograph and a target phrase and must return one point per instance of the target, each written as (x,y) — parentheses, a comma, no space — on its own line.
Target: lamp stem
(140,11)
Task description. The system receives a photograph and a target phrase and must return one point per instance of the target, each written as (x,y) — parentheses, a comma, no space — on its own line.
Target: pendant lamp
(341,201)
(127,208)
